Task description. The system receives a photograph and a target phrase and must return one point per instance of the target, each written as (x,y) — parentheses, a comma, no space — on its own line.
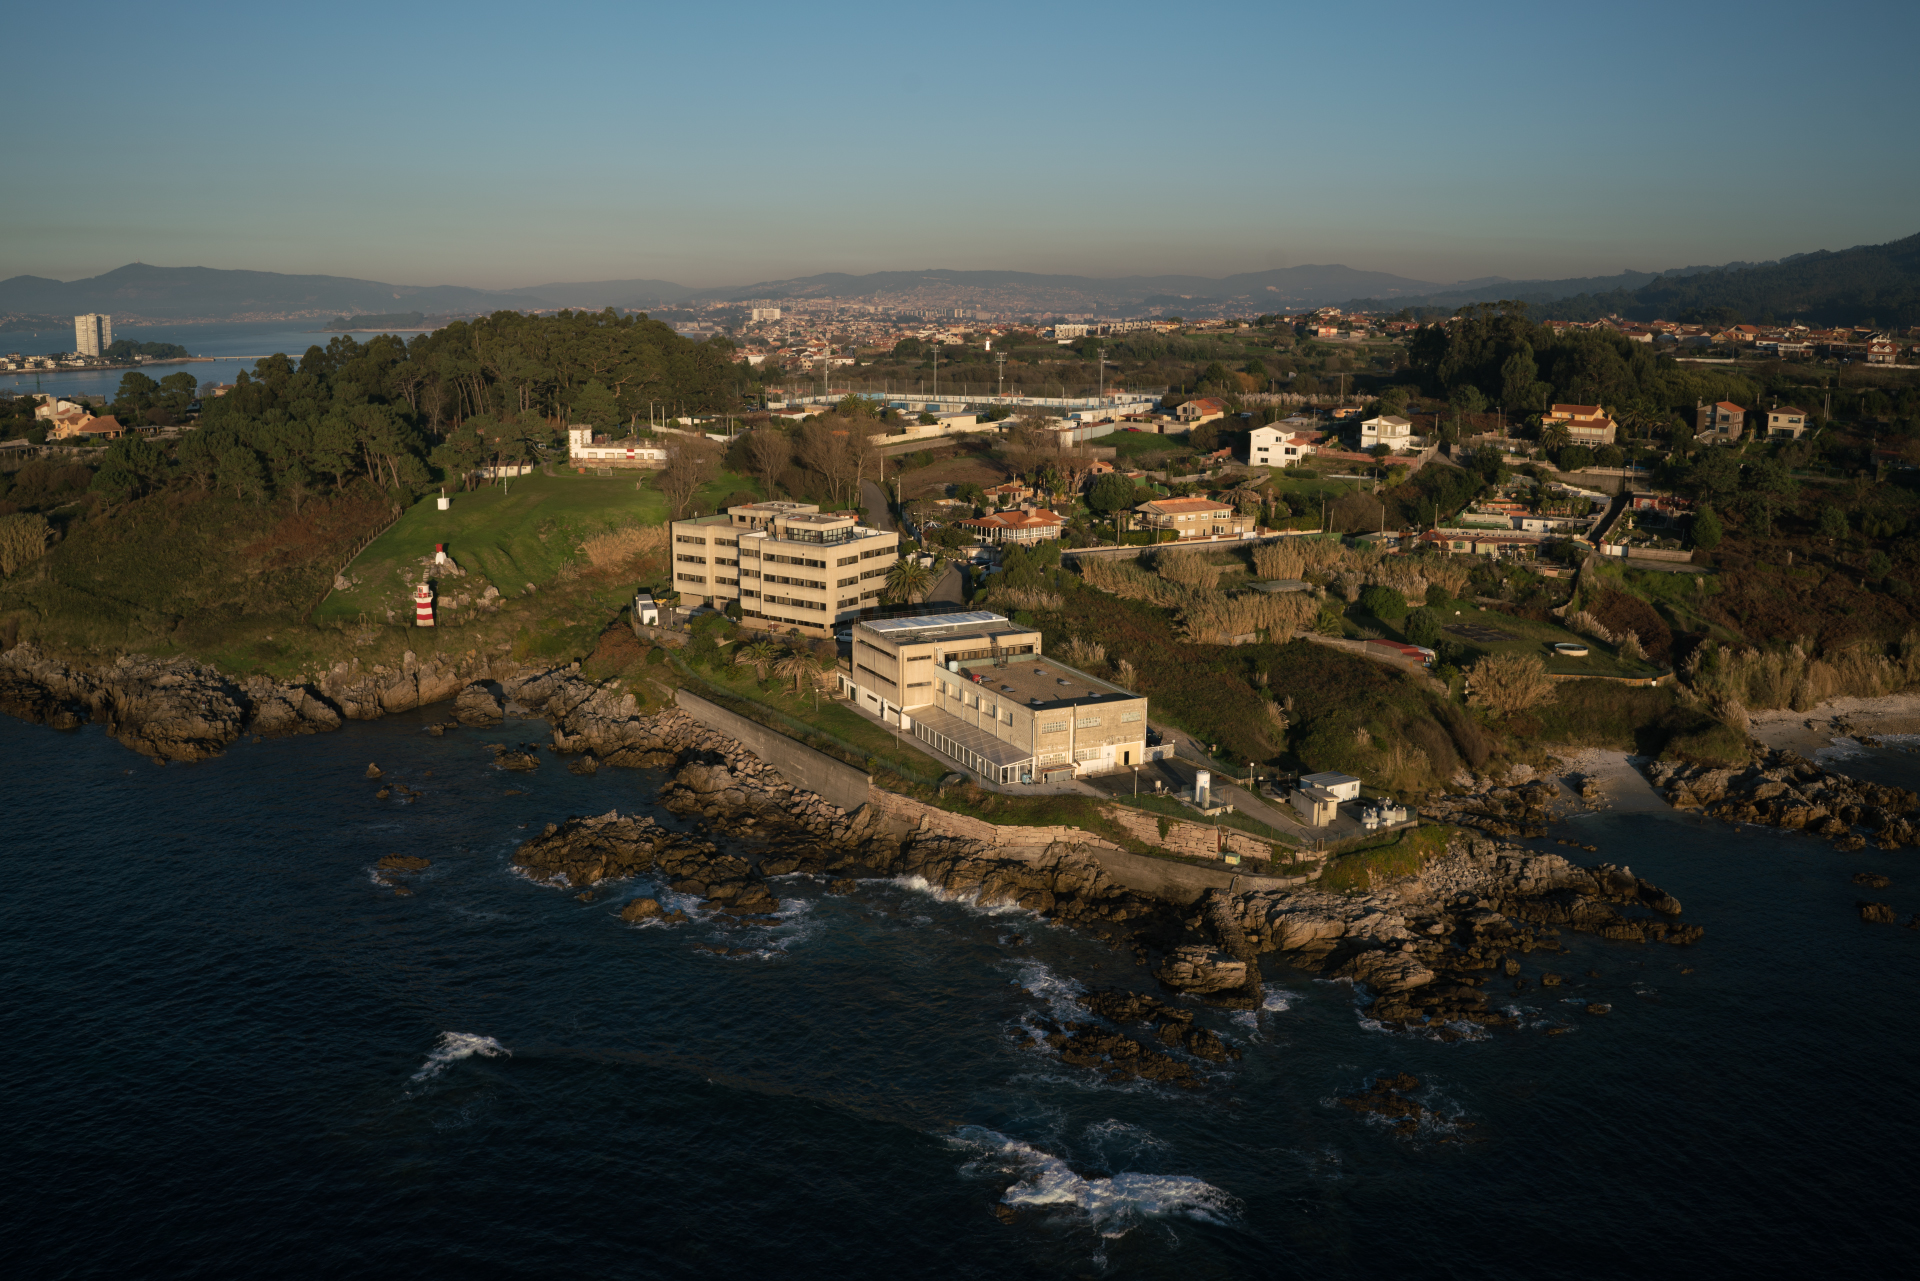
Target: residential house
(1276,446)
(1011,492)
(976,689)
(1786,423)
(1193,518)
(788,565)
(1017,526)
(1203,409)
(1882,350)
(1719,422)
(1394,432)
(1588,425)
(1473,542)
(86,427)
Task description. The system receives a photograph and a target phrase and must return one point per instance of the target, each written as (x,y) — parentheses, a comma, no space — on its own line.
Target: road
(874,499)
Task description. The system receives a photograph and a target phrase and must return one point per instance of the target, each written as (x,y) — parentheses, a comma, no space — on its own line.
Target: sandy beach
(1817,730)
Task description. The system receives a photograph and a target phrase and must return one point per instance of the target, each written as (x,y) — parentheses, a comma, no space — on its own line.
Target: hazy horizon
(498,148)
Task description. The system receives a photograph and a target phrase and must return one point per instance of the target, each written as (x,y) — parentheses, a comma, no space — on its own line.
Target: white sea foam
(454,1046)
(1113,1205)
(970,899)
(1275,1001)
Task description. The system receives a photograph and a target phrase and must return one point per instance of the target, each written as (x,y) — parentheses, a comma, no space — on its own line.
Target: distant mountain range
(1877,281)
(1877,284)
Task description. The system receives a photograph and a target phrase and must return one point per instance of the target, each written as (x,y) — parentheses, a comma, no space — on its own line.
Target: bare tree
(769,452)
(692,461)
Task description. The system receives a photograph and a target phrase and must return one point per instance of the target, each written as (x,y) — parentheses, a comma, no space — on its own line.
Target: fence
(358,547)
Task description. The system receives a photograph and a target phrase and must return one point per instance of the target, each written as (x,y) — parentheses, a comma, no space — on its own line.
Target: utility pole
(1000,383)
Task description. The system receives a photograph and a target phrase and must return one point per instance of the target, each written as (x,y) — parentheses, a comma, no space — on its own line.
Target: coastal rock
(640,909)
(1388,971)
(404,863)
(586,851)
(478,707)
(525,758)
(1871,880)
(1390,1097)
(1201,971)
(1878,913)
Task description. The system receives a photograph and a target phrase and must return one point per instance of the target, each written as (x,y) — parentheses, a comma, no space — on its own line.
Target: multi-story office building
(92,335)
(975,688)
(787,564)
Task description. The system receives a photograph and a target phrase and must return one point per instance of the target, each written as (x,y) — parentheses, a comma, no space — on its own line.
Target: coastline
(1818,730)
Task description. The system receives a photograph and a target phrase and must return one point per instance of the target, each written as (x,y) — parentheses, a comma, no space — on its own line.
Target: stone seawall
(837,783)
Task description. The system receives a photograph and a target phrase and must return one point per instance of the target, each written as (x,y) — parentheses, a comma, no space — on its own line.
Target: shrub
(23,539)
(1423,627)
(1384,603)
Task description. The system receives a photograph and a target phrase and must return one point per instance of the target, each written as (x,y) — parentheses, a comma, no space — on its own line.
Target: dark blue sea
(231,346)
(229,1052)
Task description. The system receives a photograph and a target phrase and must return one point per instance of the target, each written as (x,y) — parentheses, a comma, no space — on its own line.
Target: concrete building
(92,335)
(1193,517)
(1786,423)
(975,688)
(757,314)
(1389,430)
(787,564)
(584,449)
(1278,445)
(1719,422)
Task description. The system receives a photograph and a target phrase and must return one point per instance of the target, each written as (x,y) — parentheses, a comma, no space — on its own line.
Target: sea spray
(454,1046)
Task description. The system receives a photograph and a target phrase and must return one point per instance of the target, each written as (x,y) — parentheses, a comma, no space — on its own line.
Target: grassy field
(1381,859)
(1523,636)
(528,532)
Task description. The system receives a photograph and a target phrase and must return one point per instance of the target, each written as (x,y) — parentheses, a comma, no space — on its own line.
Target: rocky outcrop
(1784,789)
(1390,1097)
(1499,811)
(478,707)
(1202,971)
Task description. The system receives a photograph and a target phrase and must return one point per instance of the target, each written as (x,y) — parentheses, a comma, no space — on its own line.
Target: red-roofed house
(1585,424)
(1201,410)
(1786,423)
(1017,526)
(1719,422)
(105,427)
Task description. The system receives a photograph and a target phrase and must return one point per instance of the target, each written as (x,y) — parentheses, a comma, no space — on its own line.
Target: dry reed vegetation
(619,546)
(1208,615)
(23,540)
(1729,680)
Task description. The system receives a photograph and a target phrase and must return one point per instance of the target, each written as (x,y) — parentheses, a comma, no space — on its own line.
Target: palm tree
(795,664)
(909,580)
(760,655)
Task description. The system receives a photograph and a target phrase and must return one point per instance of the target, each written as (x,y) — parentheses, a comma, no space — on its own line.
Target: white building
(1393,432)
(583,450)
(92,335)
(1275,446)
(762,313)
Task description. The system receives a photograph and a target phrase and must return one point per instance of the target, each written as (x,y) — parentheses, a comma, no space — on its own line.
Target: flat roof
(1036,680)
(971,618)
(1329,779)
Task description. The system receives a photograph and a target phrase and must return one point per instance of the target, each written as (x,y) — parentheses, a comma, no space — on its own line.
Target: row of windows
(1087,722)
(796,582)
(796,560)
(879,551)
(691,578)
(682,538)
(793,603)
(692,560)
(845,561)
(874,573)
(884,680)
(848,582)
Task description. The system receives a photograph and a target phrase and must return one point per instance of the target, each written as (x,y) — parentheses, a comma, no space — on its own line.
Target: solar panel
(970,619)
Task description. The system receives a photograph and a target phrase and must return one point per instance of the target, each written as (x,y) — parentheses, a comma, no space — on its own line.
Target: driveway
(874,499)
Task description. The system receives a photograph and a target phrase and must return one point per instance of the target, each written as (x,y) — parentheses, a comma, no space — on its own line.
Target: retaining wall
(836,782)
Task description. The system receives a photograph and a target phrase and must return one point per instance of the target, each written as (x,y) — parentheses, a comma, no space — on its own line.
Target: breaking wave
(454,1046)
(1113,1205)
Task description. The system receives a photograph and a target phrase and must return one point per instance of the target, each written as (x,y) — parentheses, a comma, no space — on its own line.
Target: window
(1088,722)
(878,551)
(1086,753)
(849,582)
(692,560)
(691,578)
(726,542)
(1128,718)
(1054,727)
(682,538)
(923,685)
(844,561)
(872,573)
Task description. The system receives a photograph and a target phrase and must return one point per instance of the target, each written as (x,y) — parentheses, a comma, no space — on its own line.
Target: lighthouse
(423,605)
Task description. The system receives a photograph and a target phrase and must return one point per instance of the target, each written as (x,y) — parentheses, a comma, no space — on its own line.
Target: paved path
(874,499)
(950,590)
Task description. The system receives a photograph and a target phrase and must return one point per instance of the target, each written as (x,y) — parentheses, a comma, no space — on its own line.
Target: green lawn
(506,537)
(1525,637)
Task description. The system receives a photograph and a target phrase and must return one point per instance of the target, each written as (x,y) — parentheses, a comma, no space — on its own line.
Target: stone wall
(1190,840)
(837,783)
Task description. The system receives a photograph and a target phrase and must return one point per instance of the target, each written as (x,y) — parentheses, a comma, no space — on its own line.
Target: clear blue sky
(503,145)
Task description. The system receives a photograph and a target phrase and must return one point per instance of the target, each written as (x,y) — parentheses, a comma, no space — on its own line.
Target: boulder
(640,909)
(1877,913)
(1201,971)
(477,706)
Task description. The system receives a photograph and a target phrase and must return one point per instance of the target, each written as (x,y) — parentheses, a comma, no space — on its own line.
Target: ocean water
(234,345)
(230,1052)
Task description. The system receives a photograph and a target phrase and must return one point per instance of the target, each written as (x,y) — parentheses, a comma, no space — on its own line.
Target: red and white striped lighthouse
(423,605)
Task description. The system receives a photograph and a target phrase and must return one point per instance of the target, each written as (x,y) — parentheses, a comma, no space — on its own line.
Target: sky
(504,145)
